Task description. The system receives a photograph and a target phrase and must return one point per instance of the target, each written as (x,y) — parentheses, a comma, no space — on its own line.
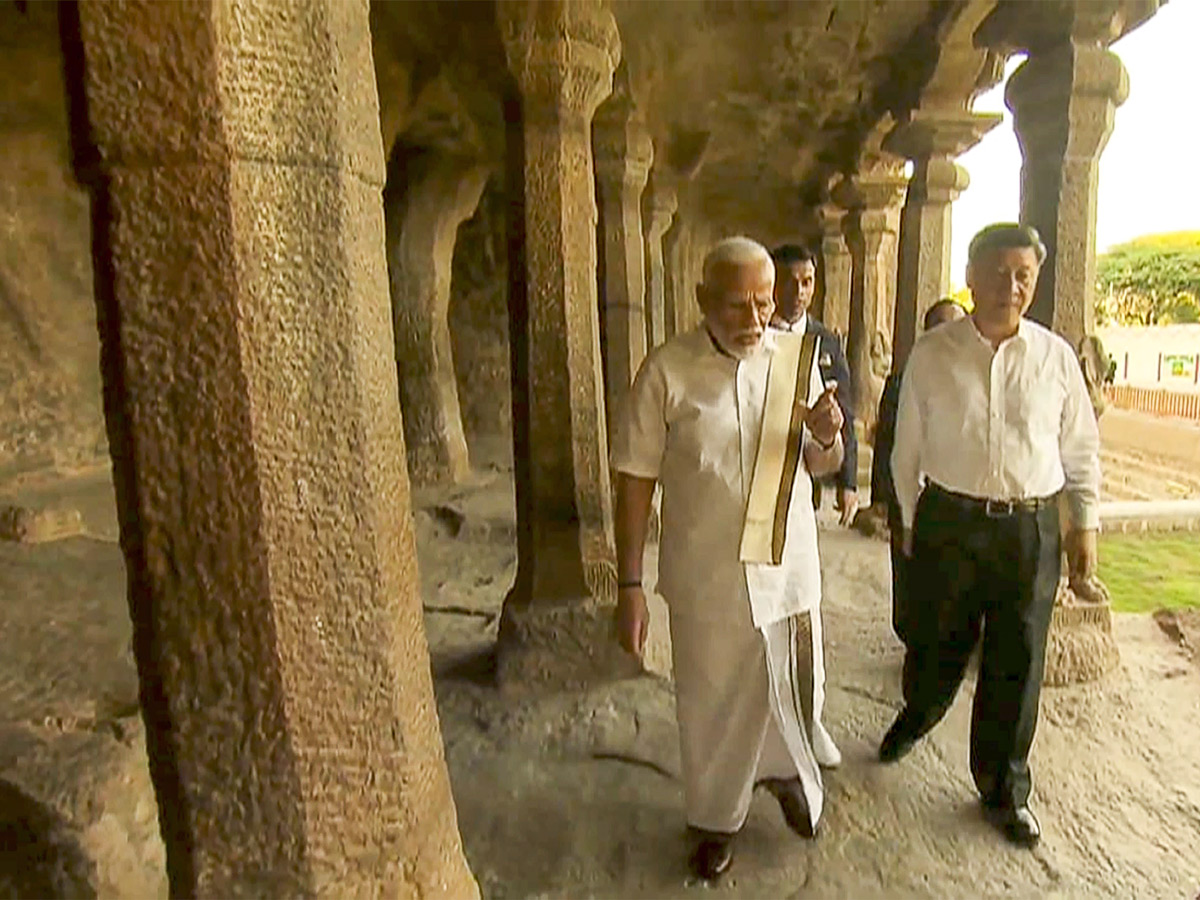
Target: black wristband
(621,585)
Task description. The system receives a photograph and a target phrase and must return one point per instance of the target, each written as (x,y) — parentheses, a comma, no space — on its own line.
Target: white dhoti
(742,631)
(744,704)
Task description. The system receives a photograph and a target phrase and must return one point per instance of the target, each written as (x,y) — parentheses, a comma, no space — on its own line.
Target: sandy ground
(577,795)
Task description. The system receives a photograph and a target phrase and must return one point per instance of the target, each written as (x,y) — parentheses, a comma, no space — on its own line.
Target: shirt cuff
(1083,511)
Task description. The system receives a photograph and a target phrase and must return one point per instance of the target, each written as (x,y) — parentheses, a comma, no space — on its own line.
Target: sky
(1150,169)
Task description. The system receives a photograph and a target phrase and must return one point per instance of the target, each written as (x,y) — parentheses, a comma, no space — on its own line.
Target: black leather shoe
(712,855)
(792,803)
(898,741)
(1017,823)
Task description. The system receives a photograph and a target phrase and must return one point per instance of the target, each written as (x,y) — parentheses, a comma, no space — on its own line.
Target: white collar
(800,326)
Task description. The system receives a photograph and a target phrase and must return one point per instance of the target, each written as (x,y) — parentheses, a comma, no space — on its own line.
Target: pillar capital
(1064,100)
(939,133)
(562,54)
(830,218)
(662,201)
(622,147)
(871,193)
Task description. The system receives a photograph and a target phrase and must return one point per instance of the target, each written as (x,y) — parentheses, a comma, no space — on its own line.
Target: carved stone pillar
(1063,101)
(835,270)
(873,223)
(930,139)
(429,195)
(677,244)
(556,627)
(660,204)
(623,157)
(258,454)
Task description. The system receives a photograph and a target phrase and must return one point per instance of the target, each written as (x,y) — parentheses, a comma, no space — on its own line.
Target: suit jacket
(882,487)
(831,360)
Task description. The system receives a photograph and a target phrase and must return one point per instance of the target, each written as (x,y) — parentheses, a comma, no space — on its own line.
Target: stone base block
(78,816)
(574,645)
(1080,646)
(36,526)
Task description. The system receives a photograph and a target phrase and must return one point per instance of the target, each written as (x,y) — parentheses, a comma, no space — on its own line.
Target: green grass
(1145,572)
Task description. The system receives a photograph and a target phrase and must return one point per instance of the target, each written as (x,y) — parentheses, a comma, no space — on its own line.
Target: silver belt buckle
(998,509)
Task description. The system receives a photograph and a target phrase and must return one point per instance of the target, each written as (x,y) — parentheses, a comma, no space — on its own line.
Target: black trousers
(972,572)
(901,602)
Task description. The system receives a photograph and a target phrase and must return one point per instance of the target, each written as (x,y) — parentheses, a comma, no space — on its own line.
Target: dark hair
(786,254)
(933,311)
(1005,236)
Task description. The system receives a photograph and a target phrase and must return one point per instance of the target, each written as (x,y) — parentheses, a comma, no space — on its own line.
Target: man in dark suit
(795,281)
(883,492)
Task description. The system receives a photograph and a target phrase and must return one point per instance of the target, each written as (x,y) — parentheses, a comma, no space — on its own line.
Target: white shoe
(824,749)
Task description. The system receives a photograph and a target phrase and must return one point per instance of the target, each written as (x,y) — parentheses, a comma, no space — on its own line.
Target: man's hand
(824,419)
(906,542)
(1081,566)
(633,619)
(847,505)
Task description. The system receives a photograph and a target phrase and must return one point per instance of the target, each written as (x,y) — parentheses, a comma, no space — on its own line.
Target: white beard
(739,353)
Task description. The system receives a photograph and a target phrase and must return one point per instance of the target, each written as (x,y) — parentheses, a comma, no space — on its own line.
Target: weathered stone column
(623,157)
(676,247)
(873,199)
(250,398)
(661,202)
(428,197)
(931,139)
(556,628)
(835,270)
(1063,101)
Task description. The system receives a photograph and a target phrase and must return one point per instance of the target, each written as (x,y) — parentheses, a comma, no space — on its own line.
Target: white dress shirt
(692,420)
(1005,424)
(800,326)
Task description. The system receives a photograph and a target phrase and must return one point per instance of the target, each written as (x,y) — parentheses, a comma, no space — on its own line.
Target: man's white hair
(734,251)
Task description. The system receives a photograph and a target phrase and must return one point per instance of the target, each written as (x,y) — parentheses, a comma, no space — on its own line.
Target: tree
(1151,280)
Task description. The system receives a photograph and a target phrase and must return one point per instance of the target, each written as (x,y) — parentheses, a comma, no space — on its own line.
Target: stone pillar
(931,139)
(835,270)
(1063,101)
(661,203)
(873,223)
(556,628)
(623,156)
(676,247)
(258,456)
(429,195)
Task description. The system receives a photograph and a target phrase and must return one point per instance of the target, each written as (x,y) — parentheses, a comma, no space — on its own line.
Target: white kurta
(692,420)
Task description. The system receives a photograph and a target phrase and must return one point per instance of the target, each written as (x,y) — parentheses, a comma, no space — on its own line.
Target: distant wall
(50,402)
(1164,356)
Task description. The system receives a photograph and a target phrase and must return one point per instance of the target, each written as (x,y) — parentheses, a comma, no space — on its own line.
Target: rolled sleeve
(640,433)
(1079,449)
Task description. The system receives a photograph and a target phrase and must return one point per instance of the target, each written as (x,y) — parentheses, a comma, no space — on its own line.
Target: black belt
(990,507)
